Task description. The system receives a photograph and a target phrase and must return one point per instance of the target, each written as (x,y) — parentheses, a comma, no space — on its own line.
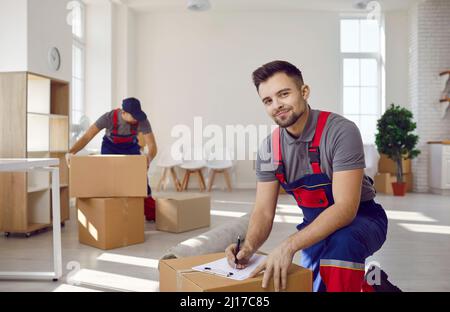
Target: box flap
(181,196)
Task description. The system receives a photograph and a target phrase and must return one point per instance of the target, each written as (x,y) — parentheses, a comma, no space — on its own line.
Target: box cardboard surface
(108,176)
(383,182)
(108,223)
(181,212)
(177,275)
(386,165)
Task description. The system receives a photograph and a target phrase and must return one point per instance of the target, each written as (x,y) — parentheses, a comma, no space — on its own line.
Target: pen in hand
(236,262)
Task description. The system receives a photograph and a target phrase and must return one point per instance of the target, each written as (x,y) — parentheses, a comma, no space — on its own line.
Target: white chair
(194,166)
(168,164)
(222,165)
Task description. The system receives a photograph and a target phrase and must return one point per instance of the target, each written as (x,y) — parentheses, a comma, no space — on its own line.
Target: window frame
(80,43)
(378,56)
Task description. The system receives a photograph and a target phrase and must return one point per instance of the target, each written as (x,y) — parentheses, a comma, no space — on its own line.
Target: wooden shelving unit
(35,124)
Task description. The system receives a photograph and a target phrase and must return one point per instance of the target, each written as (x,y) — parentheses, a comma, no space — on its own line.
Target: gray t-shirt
(341,148)
(106,122)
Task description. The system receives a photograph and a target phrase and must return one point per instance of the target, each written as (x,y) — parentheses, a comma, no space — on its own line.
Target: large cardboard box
(383,182)
(177,275)
(108,223)
(181,212)
(387,165)
(108,176)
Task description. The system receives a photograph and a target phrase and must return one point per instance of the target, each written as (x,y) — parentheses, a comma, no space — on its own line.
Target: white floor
(415,254)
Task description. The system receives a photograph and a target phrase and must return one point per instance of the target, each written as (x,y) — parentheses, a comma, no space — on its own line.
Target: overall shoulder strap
(313,150)
(116,121)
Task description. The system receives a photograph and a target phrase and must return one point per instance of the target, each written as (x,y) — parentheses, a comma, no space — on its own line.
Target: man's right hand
(243,256)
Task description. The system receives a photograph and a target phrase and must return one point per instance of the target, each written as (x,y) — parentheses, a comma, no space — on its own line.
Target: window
(361,74)
(78,63)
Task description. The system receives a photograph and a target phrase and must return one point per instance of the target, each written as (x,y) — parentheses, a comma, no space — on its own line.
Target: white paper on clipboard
(222,268)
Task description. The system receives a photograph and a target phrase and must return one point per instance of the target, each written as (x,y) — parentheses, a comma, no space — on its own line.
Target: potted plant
(396,140)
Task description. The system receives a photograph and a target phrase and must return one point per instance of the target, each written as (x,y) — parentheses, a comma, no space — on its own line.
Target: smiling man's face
(284,99)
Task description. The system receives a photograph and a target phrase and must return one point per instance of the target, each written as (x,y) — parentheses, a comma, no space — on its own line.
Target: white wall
(123,61)
(13,35)
(396,23)
(429,46)
(48,27)
(191,65)
(29,28)
(110,59)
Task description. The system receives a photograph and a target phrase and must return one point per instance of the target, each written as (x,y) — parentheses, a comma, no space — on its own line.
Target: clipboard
(222,268)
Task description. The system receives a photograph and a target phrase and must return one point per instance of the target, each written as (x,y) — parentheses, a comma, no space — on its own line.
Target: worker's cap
(133,107)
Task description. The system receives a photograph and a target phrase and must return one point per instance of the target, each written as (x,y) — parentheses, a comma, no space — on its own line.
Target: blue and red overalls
(338,261)
(122,144)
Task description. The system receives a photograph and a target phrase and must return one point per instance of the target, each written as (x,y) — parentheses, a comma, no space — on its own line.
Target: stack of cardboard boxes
(387,174)
(110,192)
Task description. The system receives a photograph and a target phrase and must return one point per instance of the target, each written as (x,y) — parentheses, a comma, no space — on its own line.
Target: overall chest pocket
(311,198)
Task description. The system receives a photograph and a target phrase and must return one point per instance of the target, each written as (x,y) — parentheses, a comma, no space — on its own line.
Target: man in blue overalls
(122,127)
(318,158)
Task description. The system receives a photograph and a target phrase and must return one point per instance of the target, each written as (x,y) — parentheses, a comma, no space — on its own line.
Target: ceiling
(263,5)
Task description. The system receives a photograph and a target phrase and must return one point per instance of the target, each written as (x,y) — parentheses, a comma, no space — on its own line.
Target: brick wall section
(429,54)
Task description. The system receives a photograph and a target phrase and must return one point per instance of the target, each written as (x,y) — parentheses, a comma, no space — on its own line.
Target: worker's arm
(347,194)
(85,139)
(260,223)
(150,141)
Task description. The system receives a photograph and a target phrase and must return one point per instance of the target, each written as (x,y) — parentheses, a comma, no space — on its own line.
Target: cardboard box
(383,182)
(177,275)
(387,165)
(108,176)
(181,212)
(108,223)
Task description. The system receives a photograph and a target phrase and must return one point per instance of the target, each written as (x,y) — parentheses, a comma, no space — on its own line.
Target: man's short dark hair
(268,70)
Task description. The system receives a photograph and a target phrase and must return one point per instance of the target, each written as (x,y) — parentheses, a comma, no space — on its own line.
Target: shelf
(59,134)
(64,204)
(35,123)
(38,154)
(35,189)
(38,180)
(39,207)
(59,98)
(48,115)
(446,72)
(31,227)
(38,133)
(444,100)
(37,226)
(38,93)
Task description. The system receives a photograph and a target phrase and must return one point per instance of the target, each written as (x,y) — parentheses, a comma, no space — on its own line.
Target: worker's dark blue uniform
(338,261)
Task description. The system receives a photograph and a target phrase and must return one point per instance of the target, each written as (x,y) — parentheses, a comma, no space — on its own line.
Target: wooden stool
(212,175)
(163,180)
(187,175)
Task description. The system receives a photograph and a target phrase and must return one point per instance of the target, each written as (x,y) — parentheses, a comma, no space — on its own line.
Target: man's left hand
(276,265)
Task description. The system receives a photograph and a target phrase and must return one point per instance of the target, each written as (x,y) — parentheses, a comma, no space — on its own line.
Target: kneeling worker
(122,127)
(318,158)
